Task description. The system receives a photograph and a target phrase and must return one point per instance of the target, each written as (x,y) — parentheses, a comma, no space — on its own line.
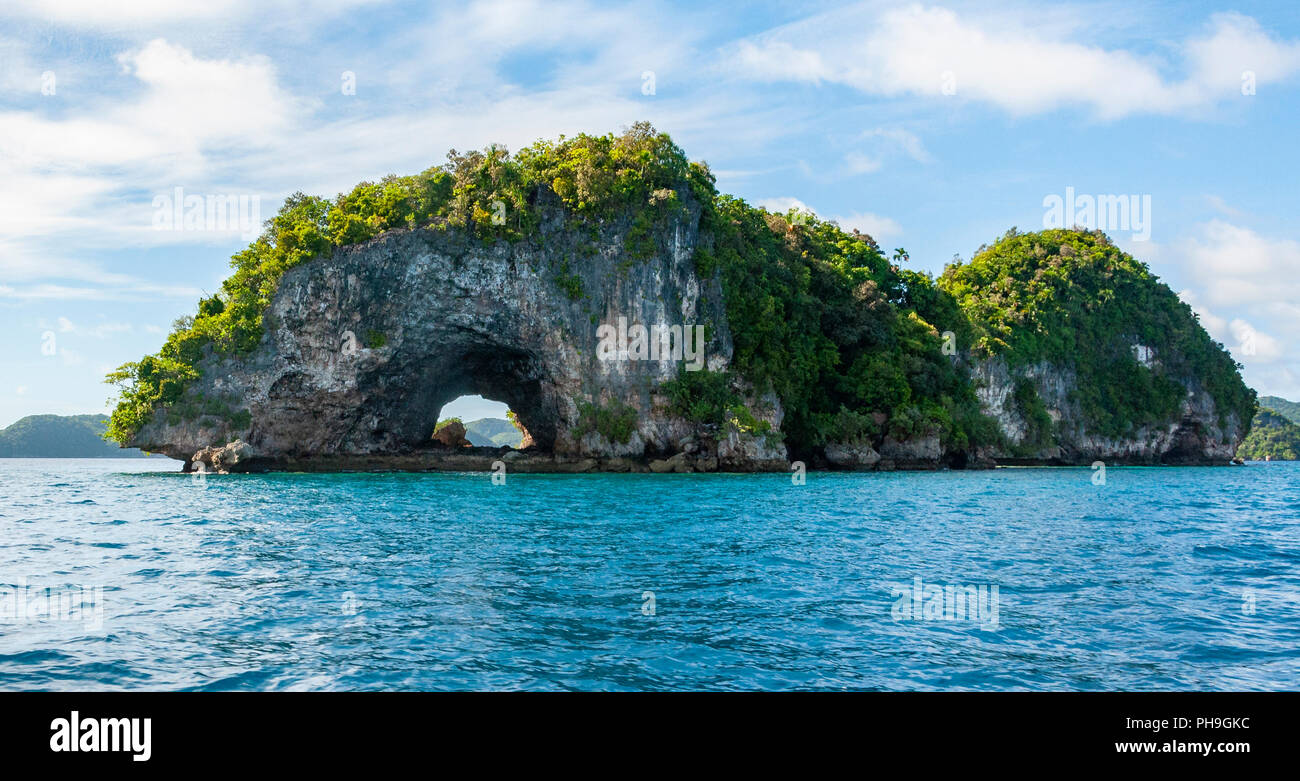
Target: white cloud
(1237,267)
(1243,289)
(134,292)
(777,60)
(897,138)
(185,105)
(1253,345)
(63,173)
(192,102)
(882,144)
(17,71)
(1223,207)
(874,225)
(783,204)
(152,13)
(859,163)
(20,264)
(97,331)
(936,53)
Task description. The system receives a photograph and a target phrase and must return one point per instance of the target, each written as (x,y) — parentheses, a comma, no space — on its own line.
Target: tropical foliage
(847,340)
(852,342)
(1272,437)
(1073,299)
(1287,409)
(489,194)
(60,436)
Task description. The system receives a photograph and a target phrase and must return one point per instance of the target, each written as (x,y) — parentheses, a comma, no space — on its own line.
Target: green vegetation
(851,342)
(210,411)
(614,421)
(60,436)
(703,396)
(493,432)
(1272,437)
(1038,423)
(490,194)
(514,421)
(1287,409)
(1071,298)
(847,340)
(445,422)
(571,284)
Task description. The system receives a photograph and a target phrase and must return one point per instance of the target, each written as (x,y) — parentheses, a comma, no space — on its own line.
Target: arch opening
(487,422)
(467,365)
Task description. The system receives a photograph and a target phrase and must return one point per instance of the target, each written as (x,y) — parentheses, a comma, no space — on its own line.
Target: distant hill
(492,432)
(1272,436)
(1287,409)
(60,436)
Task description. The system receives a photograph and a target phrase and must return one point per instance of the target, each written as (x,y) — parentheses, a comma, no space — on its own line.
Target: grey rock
(364,346)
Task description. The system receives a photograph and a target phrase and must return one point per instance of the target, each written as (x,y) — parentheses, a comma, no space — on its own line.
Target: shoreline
(508,460)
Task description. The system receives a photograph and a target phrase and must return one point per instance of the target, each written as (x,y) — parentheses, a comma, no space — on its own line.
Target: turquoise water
(1162,578)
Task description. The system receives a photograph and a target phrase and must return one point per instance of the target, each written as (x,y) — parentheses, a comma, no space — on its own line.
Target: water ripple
(1160,579)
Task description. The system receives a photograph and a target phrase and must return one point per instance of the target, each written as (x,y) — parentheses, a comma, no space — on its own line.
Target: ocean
(125,574)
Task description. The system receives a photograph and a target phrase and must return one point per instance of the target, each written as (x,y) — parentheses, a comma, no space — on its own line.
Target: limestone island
(635,319)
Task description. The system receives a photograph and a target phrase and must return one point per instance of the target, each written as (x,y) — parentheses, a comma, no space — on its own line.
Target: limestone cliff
(364,346)
(350,322)
(1196,434)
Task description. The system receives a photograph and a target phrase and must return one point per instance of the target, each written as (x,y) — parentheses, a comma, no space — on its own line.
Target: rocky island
(349,324)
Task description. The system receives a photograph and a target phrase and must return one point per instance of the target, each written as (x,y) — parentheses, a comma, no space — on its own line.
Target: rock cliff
(364,346)
(1195,435)
(635,319)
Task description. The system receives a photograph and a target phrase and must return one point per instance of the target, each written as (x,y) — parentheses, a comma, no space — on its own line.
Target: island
(351,321)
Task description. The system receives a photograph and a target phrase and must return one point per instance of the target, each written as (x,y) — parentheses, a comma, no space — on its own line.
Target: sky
(933,127)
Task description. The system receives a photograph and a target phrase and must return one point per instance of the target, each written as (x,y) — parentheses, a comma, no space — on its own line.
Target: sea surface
(124,574)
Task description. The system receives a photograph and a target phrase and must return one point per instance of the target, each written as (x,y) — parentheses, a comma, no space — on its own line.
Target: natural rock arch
(365,346)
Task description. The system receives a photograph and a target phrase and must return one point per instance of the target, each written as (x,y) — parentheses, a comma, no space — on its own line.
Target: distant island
(61,436)
(1274,433)
(493,432)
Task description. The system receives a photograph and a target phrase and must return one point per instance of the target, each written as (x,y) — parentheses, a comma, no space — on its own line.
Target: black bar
(211,731)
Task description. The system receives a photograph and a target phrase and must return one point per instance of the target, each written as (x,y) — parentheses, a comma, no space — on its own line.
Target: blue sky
(934,127)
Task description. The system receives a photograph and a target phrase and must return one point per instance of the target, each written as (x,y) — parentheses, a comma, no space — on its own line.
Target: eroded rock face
(365,346)
(1195,436)
(451,435)
(852,455)
(233,457)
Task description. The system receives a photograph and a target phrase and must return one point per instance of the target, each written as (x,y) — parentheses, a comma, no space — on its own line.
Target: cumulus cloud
(937,53)
(182,105)
(783,204)
(95,13)
(82,174)
(63,171)
(1244,288)
(1237,267)
(874,225)
(881,144)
